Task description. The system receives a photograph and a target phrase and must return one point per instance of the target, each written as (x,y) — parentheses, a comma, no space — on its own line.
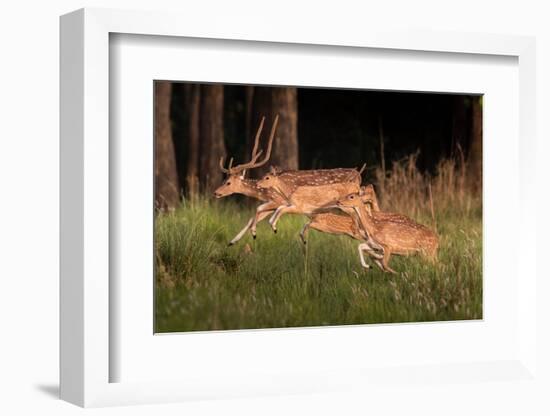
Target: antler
(255,153)
(253,163)
(257,138)
(224,170)
(270,143)
(352,174)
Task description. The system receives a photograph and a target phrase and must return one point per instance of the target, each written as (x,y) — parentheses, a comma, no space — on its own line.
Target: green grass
(274,281)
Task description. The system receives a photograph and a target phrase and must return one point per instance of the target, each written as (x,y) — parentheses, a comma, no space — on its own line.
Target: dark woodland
(197,124)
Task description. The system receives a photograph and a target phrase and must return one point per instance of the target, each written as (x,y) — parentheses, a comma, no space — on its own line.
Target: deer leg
(374,249)
(360,248)
(372,253)
(386,260)
(275,214)
(303,232)
(377,261)
(262,212)
(251,224)
(283,209)
(259,217)
(242,232)
(375,255)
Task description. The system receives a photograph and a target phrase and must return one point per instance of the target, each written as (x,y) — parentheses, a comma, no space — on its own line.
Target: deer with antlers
(394,233)
(236,183)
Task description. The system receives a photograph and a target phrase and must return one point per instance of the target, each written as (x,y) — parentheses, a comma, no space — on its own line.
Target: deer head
(271,179)
(351,200)
(368,195)
(234,182)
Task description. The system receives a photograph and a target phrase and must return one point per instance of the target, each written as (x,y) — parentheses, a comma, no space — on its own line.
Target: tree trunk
(475,156)
(193,149)
(166,175)
(268,102)
(285,103)
(212,145)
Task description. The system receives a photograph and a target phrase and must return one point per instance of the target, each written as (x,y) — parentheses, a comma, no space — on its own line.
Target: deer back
(339,224)
(310,198)
(402,234)
(296,178)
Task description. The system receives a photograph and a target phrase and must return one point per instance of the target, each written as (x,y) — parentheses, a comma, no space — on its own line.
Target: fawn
(395,233)
(346,224)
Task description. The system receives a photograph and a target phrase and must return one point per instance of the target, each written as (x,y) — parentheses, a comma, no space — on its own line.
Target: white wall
(29,174)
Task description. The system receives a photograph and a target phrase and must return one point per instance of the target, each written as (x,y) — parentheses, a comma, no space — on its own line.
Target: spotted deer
(236,183)
(394,233)
(307,191)
(345,224)
(292,179)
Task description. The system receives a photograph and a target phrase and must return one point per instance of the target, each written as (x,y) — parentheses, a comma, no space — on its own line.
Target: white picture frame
(86,356)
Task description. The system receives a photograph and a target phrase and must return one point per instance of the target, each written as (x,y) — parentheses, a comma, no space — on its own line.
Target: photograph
(293,206)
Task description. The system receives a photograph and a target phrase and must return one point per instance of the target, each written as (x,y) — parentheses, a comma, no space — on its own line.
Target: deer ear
(362,191)
(273,170)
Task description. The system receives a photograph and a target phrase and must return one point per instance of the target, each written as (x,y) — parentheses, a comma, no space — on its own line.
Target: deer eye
(351,197)
(228,183)
(267,178)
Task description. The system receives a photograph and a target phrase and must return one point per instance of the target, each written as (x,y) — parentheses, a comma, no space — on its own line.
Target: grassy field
(274,281)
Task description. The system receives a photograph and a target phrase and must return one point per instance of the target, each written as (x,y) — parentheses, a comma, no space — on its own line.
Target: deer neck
(283,189)
(365,221)
(249,187)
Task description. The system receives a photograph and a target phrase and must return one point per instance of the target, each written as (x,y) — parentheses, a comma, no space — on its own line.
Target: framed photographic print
(273,214)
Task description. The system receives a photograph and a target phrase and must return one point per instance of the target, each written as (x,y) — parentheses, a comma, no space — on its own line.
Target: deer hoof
(275,230)
(230,243)
(254,236)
